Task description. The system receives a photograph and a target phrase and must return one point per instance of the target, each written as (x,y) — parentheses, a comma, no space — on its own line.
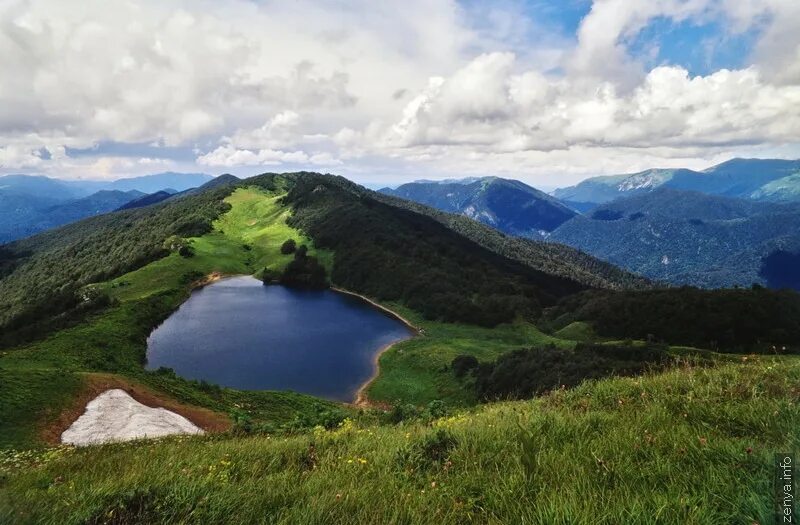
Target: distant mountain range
(22,215)
(771,180)
(734,224)
(686,237)
(508,205)
(30,203)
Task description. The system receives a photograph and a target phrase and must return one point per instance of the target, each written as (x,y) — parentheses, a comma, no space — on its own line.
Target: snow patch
(115,416)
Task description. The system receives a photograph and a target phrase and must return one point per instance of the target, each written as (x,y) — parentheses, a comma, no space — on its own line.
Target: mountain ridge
(686,237)
(508,205)
(738,177)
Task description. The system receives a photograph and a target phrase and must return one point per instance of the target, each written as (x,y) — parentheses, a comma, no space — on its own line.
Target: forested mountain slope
(508,205)
(685,237)
(553,258)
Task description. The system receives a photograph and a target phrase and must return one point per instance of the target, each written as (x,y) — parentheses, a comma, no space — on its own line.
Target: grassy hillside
(417,371)
(43,376)
(694,445)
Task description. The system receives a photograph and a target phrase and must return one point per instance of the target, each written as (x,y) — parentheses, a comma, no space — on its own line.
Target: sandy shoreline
(391,313)
(361,399)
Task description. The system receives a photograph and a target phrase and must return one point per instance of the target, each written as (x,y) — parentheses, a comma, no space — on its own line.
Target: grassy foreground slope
(692,445)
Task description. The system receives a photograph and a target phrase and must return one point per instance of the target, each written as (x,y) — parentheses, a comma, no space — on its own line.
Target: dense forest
(397,255)
(727,320)
(549,257)
(524,373)
(304,271)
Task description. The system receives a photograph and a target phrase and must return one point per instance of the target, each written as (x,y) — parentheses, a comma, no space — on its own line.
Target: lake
(241,334)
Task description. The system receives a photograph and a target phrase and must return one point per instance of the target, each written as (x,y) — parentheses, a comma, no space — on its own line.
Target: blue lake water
(242,334)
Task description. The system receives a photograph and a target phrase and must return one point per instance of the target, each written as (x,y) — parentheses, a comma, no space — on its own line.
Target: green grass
(577,331)
(28,395)
(690,446)
(417,371)
(245,240)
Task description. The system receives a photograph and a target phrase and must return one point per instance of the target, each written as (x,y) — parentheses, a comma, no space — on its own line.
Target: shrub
(436,409)
(525,373)
(192,276)
(400,413)
(304,271)
(269,276)
(288,246)
(432,451)
(463,364)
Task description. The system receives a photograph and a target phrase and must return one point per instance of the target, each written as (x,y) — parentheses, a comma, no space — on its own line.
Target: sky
(546,91)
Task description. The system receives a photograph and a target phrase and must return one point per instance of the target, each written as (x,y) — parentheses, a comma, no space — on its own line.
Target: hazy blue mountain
(146,183)
(33,203)
(147,200)
(684,237)
(780,190)
(38,186)
(22,215)
(767,179)
(599,190)
(42,186)
(508,205)
(153,183)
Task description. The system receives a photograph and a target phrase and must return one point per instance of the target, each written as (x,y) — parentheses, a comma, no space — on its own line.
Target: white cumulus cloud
(387,89)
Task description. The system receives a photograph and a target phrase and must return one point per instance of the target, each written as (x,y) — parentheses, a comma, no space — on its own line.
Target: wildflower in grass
(345,426)
(362,461)
(703,441)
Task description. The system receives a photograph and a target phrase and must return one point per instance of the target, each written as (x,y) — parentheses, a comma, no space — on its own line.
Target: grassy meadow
(693,445)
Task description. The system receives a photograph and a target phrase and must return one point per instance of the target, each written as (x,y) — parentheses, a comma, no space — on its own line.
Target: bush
(269,276)
(463,364)
(432,451)
(288,246)
(186,251)
(192,276)
(304,271)
(400,413)
(436,409)
(522,374)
